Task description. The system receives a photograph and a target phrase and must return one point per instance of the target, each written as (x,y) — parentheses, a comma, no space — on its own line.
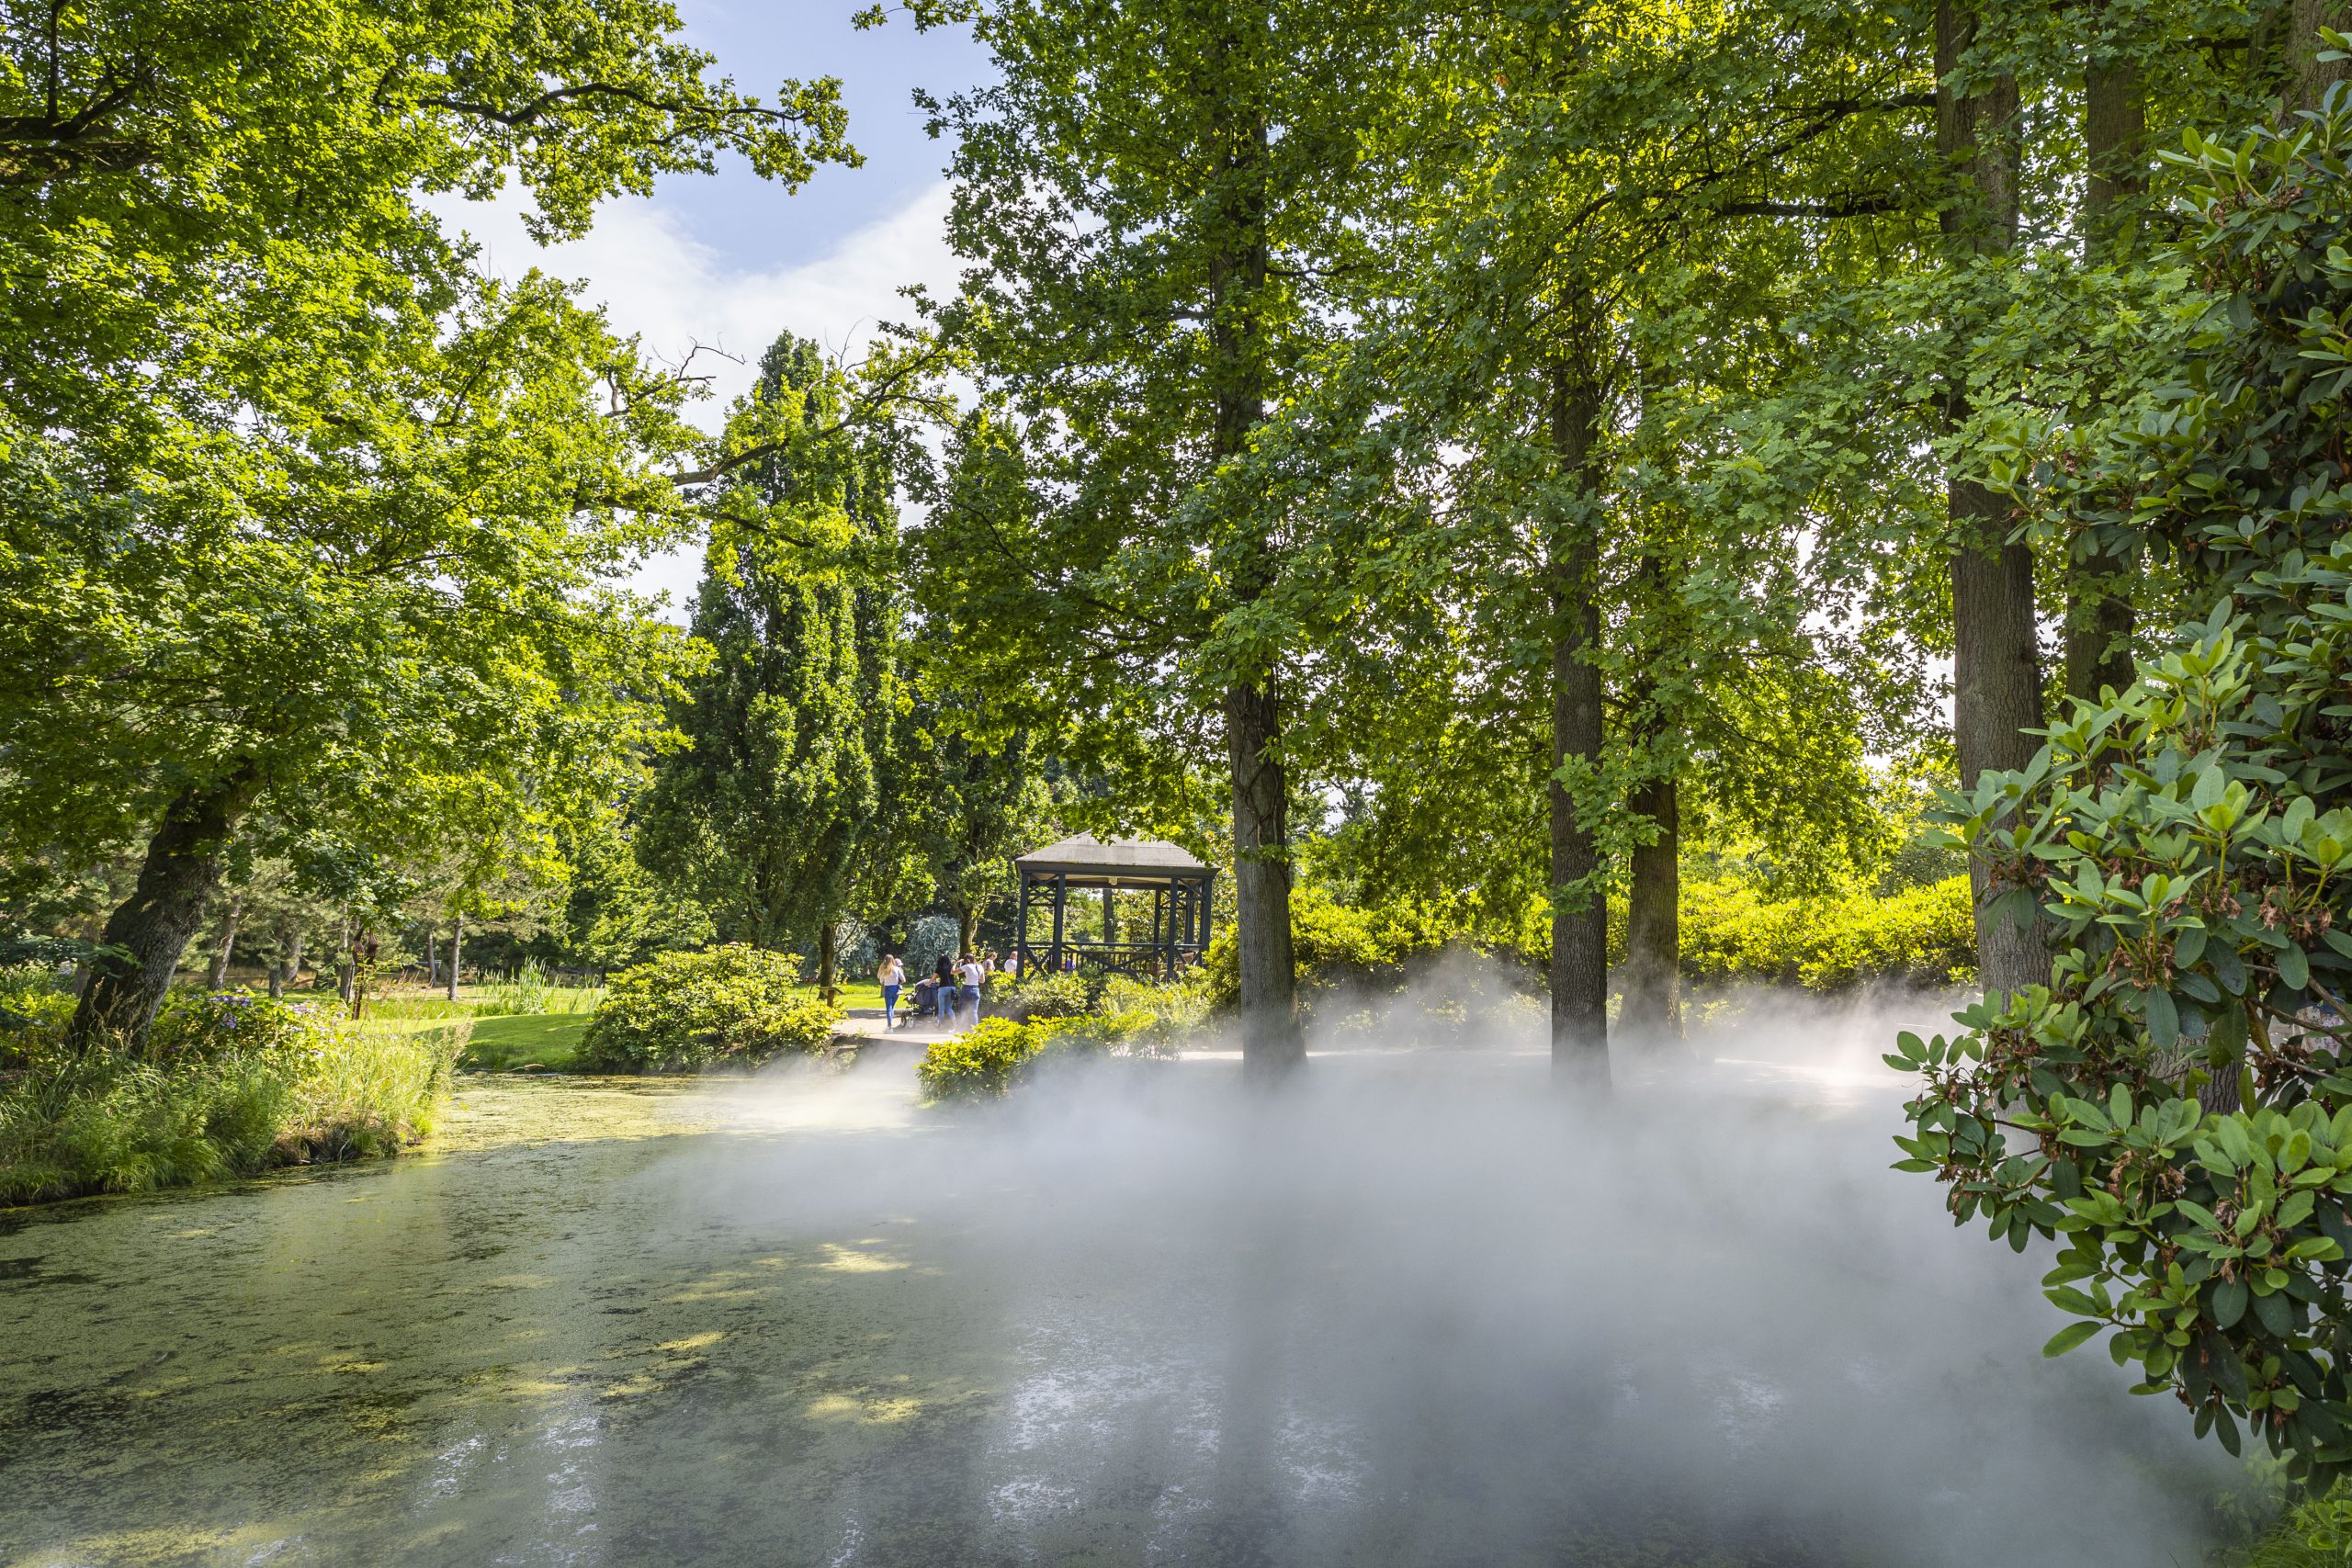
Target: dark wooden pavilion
(1180,888)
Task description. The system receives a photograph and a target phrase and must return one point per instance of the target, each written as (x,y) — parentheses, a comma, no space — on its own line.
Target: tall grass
(106,1124)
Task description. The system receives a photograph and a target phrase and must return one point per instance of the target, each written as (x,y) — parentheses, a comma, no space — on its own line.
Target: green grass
(541,1040)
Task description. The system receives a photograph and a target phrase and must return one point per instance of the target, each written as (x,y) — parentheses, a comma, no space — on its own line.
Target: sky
(726,261)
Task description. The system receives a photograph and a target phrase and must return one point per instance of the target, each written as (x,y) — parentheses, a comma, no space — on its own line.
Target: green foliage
(773,811)
(730,1006)
(1041,996)
(231,1089)
(1339,947)
(997,1055)
(2180,1094)
(1917,936)
(31,998)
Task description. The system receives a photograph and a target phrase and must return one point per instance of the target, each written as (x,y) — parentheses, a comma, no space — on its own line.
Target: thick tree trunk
(1652,1010)
(2308,76)
(2099,617)
(294,958)
(155,923)
(1271,1041)
(222,954)
(1579,913)
(276,980)
(1271,1046)
(457,951)
(829,960)
(967,927)
(1997,677)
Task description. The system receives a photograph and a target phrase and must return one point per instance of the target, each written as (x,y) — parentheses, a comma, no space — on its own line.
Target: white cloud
(655,279)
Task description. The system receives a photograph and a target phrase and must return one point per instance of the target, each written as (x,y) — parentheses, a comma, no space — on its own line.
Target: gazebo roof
(1119,860)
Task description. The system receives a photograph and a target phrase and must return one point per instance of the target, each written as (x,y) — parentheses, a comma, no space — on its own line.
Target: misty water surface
(1418,1312)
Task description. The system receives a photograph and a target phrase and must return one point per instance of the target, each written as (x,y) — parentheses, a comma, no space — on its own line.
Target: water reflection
(1412,1315)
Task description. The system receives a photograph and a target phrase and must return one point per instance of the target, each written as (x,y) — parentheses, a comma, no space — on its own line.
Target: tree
(1154,200)
(301,511)
(2176,1105)
(772,808)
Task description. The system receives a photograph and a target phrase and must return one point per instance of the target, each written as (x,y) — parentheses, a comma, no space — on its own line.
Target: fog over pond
(1415,1310)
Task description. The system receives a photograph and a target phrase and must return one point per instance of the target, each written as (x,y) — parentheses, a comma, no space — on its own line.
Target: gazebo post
(1110,930)
(1061,898)
(1021,930)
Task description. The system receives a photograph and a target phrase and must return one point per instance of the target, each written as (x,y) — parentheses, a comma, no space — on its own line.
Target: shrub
(1338,946)
(731,1004)
(1043,996)
(1920,936)
(205,1025)
(995,1054)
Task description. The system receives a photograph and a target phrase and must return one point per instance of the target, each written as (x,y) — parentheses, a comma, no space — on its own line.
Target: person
(891,975)
(972,976)
(943,984)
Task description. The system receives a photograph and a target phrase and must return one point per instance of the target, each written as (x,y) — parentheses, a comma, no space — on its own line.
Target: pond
(1416,1311)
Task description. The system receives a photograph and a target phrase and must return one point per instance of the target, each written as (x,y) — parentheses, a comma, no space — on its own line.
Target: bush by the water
(727,1006)
(230,1084)
(997,1054)
(1920,936)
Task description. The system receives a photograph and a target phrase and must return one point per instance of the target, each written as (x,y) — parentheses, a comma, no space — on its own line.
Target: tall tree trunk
(2099,572)
(1579,912)
(1271,1041)
(155,925)
(1652,1010)
(2308,76)
(1272,1045)
(276,980)
(228,948)
(827,959)
(967,927)
(294,957)
(457,950)
(1997,677)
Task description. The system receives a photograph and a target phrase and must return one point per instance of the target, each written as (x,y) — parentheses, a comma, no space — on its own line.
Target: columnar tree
(773,806)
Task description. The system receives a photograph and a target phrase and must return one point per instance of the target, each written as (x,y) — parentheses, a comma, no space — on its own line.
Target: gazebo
(1178,885)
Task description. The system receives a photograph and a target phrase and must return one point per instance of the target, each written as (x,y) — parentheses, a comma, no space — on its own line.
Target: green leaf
(2228,1303)
(2070,1336)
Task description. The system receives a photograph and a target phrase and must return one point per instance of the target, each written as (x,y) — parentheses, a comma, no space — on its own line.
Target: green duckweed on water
(799,1319)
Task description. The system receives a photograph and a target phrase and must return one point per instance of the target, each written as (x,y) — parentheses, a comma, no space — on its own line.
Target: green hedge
(1920,936)
(1336,945)
(725,1006)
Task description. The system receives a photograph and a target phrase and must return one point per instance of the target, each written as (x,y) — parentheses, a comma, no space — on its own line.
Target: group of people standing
(952,990)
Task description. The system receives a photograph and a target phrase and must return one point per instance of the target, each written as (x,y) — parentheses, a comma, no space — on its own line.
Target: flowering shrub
(731,1004)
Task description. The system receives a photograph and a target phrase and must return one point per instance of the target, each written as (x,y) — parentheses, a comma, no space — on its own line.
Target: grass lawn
(853,994)
(548,1040)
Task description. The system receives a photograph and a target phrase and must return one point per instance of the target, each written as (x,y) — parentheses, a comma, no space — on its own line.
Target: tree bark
(829,960)
(967,927)
(2308,76)
(276,980)
(1271,1043)
(1652,1010)
(228,948)
(155,923)
(294,957)
(1997,677)
(1579,914)
(1271,1046)
(457,950)
(2100,618)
